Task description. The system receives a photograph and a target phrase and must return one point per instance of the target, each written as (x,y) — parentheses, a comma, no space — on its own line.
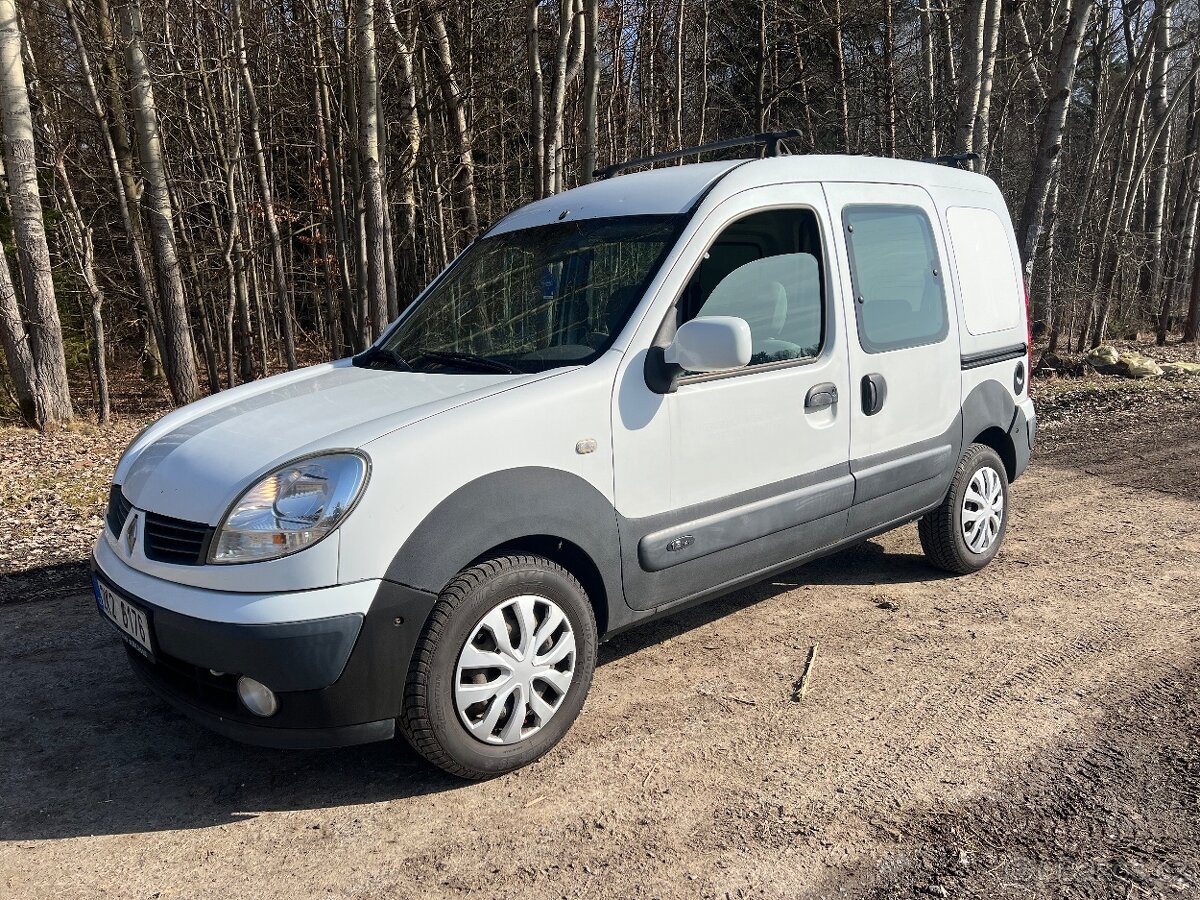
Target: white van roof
(677,189)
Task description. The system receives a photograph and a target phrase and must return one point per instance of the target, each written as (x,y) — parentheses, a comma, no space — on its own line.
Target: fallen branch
(800,689)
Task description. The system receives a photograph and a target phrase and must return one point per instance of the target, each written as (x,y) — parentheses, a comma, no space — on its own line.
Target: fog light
(257,697)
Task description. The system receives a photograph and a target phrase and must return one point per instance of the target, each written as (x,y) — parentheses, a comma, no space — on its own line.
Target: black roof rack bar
(772,140)
(953,160)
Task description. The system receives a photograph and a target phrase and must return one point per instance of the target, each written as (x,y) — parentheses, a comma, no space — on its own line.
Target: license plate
(132,622)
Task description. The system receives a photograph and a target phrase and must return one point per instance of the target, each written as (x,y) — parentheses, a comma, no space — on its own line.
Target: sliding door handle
(821,396)
(874,393)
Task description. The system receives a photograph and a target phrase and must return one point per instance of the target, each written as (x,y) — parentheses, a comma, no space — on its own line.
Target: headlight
(291,508)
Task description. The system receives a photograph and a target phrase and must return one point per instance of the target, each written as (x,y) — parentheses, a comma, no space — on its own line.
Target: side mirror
(711,344)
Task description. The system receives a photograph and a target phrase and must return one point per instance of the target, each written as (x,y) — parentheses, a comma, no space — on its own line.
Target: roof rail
(772,140)
(953,160)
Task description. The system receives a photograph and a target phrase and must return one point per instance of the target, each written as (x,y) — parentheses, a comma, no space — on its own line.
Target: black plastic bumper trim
(285,656)
(265,735)
(358,706)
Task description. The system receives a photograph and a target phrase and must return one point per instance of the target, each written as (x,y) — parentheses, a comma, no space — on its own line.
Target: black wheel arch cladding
(990,412)
(502,509)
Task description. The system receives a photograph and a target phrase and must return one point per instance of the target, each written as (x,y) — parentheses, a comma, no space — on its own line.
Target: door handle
(821,396)
(874,393)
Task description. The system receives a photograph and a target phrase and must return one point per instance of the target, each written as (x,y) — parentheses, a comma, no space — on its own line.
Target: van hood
(194,463)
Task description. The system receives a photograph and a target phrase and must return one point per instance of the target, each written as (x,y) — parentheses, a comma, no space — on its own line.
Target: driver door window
(767,269)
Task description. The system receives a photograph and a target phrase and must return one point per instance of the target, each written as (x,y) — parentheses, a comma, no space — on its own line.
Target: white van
(620,400)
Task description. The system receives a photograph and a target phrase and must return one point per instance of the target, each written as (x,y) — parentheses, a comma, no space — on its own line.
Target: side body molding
(688,540)
(505,506)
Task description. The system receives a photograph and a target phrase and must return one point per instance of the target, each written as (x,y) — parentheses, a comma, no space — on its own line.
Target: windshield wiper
(485,363)
(383,358)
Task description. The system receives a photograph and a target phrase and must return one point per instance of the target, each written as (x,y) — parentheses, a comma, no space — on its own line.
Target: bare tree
(974,25)
(283,292)
(46,378)
(1045,162)
(464,178)
(566,69)
(537,96)
(983,108)
(368,148)
(15,341)
(591,90)
(300,170)
(179,356)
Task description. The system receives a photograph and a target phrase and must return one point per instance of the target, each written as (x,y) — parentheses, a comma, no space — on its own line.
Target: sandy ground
(1029,731)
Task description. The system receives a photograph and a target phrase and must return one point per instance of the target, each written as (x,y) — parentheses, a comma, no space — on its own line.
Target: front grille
(118,510)
(176,541)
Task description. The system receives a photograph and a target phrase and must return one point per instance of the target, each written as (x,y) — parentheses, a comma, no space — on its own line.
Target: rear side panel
(990,293)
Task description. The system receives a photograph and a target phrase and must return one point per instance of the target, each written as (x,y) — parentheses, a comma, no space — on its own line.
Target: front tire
(503,667)
(965,532)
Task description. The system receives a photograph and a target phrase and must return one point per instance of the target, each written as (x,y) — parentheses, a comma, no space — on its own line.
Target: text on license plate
(125,616)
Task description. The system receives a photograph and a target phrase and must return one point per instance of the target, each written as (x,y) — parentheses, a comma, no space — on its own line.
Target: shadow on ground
(44,583)
(88,751)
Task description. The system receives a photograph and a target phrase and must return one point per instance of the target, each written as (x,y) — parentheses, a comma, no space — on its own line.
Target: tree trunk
(330,129)
(179,356)
(15,340)
(47,379)
(974,24)
(283,292)
(537,101)
(839,54)
(680,19)
(1045,163)
(591,86)
(464,176)
(1191,328)
(569,15)
(1151,277)
(407,258)
(368,149)
(1025,49)
(930,78)
(980,138)
(889,81)
(129,194)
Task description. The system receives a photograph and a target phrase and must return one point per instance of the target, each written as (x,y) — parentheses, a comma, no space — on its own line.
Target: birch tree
(1045,160)
(283,293)
(49,401)
(368,148)
(179,356)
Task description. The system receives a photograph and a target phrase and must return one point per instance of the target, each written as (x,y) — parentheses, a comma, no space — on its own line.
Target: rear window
(988,277)
(897,279)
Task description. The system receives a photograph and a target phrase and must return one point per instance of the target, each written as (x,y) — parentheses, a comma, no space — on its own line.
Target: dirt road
(1030,731)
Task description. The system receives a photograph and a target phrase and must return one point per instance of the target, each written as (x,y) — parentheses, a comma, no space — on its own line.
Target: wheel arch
(1000,441)
(533,509)
(988,412)
(571,557)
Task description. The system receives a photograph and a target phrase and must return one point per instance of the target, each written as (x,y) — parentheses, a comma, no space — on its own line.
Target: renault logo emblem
(131,532)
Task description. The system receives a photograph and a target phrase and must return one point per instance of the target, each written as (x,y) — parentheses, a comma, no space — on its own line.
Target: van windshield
(533,299)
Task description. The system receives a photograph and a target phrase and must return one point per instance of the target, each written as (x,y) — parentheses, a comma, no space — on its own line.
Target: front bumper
(339,679)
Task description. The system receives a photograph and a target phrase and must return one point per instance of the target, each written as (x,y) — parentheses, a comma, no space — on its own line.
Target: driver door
(757,472)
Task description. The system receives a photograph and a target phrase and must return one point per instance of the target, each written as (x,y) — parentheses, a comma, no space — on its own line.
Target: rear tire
(502,669)
(965,532)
